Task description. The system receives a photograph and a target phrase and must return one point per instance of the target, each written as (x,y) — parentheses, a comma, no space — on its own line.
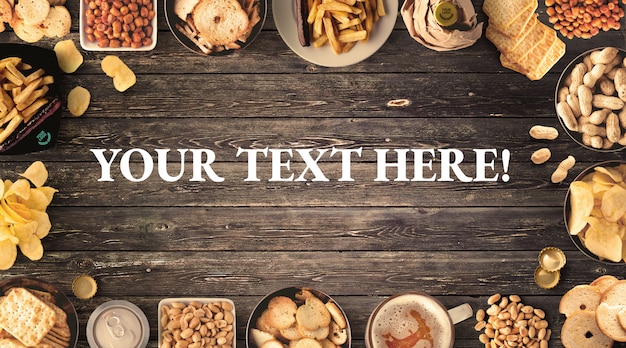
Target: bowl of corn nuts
(590,99)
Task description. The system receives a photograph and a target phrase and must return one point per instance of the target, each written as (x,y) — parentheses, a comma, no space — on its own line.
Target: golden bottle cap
(551,259)
(84,287)
(546,279)
(446,14)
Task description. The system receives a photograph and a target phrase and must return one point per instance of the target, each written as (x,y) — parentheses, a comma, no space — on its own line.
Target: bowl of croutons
(298,317)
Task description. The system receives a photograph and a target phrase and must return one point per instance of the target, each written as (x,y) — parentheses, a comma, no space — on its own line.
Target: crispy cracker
(554,55)
(535,35)
(26,317)
(504,43)
(504,12)
(518,26)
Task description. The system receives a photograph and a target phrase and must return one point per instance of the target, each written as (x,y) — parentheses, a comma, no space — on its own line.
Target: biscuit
(26,317)
(336,314)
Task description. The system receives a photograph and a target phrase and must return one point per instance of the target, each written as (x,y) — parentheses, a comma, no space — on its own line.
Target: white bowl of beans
(118,25)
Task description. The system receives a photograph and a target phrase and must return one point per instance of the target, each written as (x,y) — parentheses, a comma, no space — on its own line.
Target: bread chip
(580,297)
(220,22)
(606,317)
(33,12)
(313,314)
(58,23)
(26,317)
(6,11)
(26,32)
(602,283)
(580,330)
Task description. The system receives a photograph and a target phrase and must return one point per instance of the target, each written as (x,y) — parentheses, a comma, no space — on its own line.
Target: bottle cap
(546,279)
(84,287)
(551,259)
(446,14)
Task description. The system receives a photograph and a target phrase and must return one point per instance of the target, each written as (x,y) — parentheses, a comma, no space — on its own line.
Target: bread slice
(606,318)
(580,297)
(581,331)
(603,282)
(220,22)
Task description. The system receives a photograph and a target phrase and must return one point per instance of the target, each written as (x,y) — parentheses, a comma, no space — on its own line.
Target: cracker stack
(526,45)
(29,319)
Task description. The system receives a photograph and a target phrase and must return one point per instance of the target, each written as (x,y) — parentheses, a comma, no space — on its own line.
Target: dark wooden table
(359,241)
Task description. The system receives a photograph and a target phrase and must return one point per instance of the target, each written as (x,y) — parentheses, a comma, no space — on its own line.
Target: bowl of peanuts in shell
(118,25)
(590,99)
(197,322)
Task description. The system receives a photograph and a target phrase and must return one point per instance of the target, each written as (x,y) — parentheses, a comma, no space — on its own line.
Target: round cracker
(33,12)
(58,23)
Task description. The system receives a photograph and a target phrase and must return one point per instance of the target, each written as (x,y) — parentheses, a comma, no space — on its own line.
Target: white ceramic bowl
(93,46)
(202,300)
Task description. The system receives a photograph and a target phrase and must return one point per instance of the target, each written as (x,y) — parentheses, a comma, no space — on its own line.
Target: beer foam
(394,319)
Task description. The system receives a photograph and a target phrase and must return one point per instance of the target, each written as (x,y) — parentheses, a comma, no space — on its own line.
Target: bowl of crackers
(590,99)
(298,317)
(215,27)
(595,211)
(36,313)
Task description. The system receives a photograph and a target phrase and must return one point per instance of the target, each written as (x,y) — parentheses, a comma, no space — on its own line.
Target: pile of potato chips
(23,218)
(597,212)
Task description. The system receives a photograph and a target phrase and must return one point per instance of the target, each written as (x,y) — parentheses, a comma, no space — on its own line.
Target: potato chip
(123,76)
(36,173)
(613,173)
(78,100)
(20,188)
(8,254)
(581,204)
(603,240)
(68,56)
(614,203)
(29,244)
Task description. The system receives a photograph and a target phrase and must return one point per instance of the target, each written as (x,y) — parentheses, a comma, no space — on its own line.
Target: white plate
(285,19)
(93,46)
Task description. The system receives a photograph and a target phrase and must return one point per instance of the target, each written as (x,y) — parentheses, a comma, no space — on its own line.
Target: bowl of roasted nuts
(298,317)
(595,211)
(118,25)
(208,321)
(590,99)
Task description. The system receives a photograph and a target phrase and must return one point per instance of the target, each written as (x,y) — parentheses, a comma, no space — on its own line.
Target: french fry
(329,28)
(343,23)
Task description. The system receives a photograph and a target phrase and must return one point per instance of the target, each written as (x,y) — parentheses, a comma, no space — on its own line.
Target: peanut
(543,132)
(560,173)
(517,330)
(541,156)
(598,83)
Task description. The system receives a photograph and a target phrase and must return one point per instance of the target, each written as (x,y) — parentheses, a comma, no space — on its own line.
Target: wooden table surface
(359,241)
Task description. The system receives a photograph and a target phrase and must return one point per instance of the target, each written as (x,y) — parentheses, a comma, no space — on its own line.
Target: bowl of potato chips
(595,211)
(35,313)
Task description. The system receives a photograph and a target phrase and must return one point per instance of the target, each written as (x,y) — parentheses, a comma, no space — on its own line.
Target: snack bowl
(295,315)
(147,9)
(585,140)
(59,298)
(591,241)
(40,131)
(184,32)
(201,314)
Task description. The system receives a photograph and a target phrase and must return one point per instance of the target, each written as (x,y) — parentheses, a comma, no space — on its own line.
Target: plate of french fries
(30,98)
(337,32)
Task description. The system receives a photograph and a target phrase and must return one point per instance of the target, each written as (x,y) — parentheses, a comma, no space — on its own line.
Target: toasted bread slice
(581,331)
(220,22)
(580,297)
